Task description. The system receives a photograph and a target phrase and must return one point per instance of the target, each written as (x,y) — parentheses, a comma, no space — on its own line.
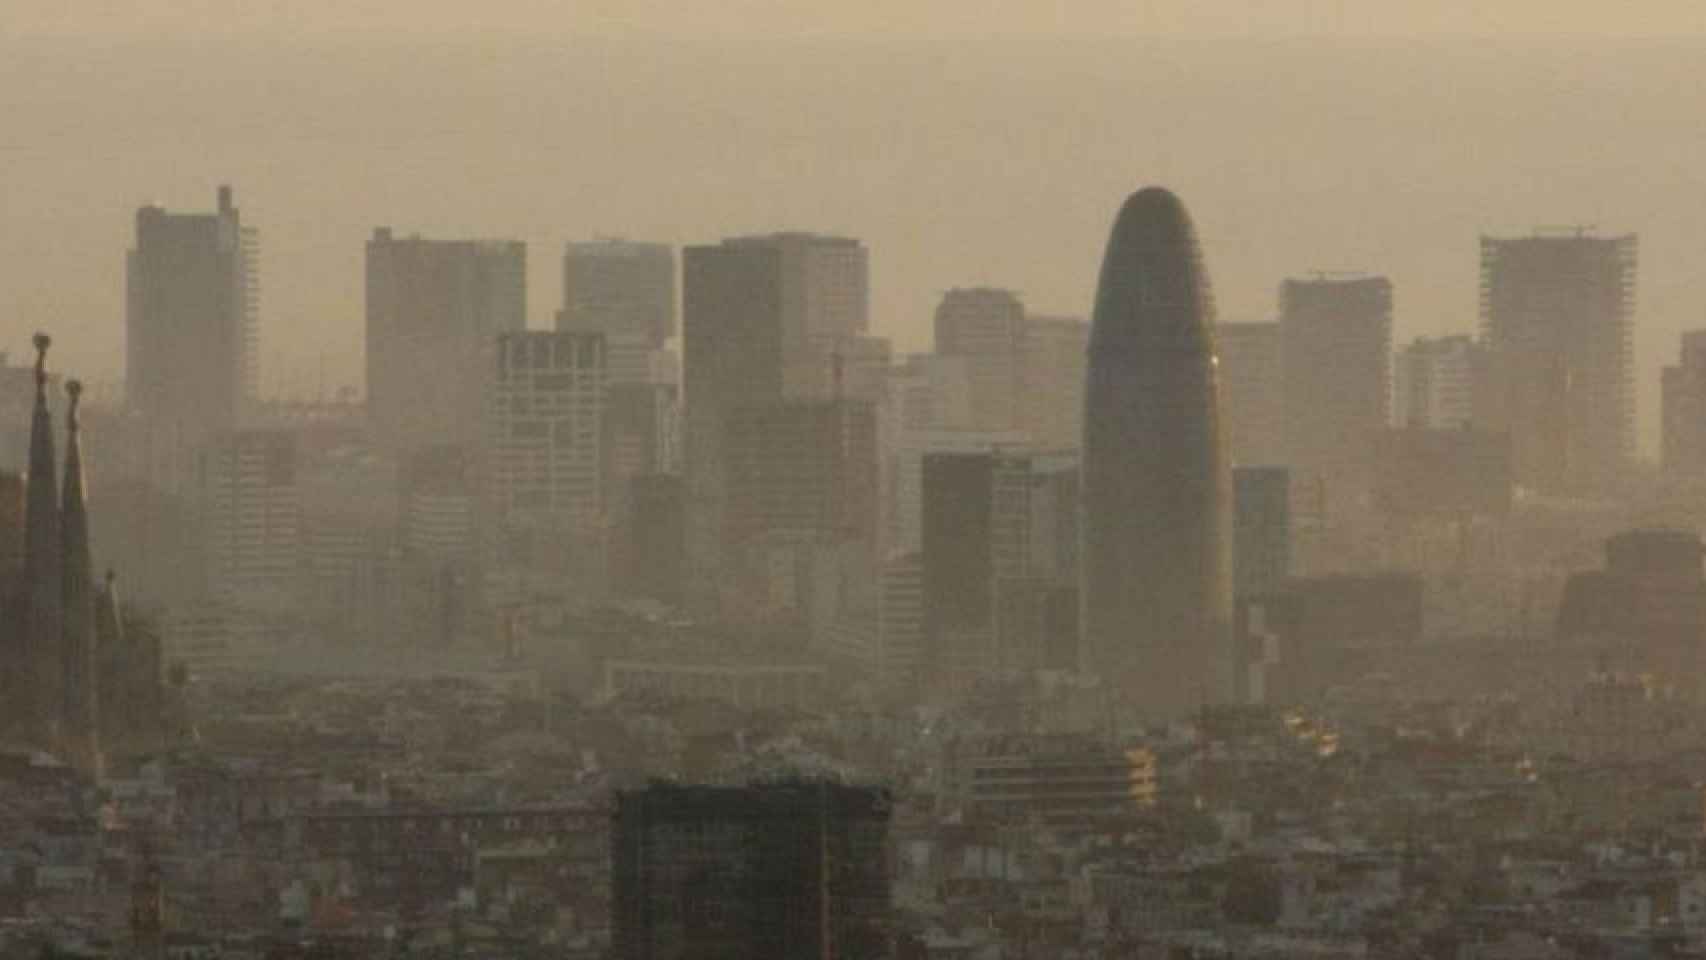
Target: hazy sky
(967,142)
(758,18)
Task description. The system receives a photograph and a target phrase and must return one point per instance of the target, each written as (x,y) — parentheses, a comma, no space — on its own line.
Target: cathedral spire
(42,570)
(78,724)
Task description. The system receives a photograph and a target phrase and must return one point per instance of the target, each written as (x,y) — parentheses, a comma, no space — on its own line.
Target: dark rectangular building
(653,535)
(192,300)
(1261,529)
(732,328)
(959,568)
(778,871)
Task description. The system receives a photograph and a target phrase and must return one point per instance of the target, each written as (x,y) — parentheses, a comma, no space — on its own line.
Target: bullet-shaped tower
(1157,526)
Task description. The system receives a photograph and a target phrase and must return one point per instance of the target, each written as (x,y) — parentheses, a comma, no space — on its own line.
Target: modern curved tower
(1157,578)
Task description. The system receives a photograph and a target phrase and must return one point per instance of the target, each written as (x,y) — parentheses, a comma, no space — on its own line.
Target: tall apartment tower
(1053,365)
(732,313)
(251,517)
(1683,398)
(794,870)
(1336,335)
(619,288)
(434,310)
(996,527)
(1437,382)
(1557,313)
(1261,528)
(191,332)
(984,328)
(544,442)
(625,291)
(1252,378)
(803,469)
(825,308)
(827,284)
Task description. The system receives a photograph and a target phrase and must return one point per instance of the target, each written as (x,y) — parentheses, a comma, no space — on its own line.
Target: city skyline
(946,481)
(1421,235)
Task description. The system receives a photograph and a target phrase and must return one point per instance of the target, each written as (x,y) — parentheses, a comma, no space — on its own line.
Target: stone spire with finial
(78,724)
(43,572)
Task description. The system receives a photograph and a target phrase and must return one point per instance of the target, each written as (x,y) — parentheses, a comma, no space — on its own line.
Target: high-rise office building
(251,518)
(545,441)
(1157,578)
(900,620)
(1683,402)
(766,319)
(1051,411)
(848,368)
(653,538)
(826,285)
(980,518)
(641,432)
(1337,333)
(959,558)
(191,331)
(984,328)
(732,313)
(1261,530)
(903,481)
(928,391)
(1557,314)
(620,289)
(1252,378)
(1436,381)
(824,305)
(434,311)
(436,501)
(782,871)
(803,469)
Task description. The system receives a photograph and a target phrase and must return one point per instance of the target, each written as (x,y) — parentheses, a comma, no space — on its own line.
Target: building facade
(1054,359)
(191,320)
(1438,383)
(620,289)
(984,328)
(1337,344)
(782,871)
(1683,409)
(434,311)
(1157,498)
(251,517)
(1252,391)
(544,445)
(1557,314)
(1261,526)
(732,312)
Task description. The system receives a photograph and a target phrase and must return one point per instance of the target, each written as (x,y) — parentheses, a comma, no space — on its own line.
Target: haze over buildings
(833,588)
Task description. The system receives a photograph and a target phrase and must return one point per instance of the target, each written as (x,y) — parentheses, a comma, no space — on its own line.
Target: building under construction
(1557,311)
(795,870)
